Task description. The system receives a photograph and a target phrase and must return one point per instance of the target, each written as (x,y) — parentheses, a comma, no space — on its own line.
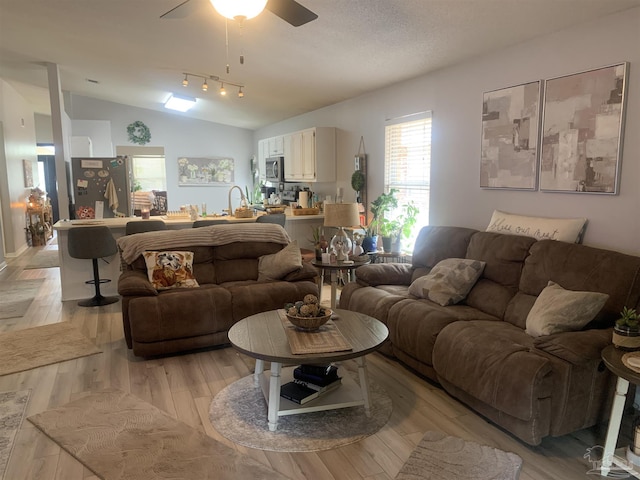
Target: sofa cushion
(493,362)
(449,281)
(504,256)
(278,265)
(558,310)
(170,269)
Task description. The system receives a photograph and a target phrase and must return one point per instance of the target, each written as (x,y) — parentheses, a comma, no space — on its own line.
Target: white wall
(18,128)
(99,131)
(455,97)
(180,136)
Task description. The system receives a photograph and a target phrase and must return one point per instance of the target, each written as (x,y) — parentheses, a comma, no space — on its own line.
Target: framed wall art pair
(563,134)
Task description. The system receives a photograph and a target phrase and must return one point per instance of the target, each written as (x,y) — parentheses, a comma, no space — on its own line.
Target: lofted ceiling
(355,46)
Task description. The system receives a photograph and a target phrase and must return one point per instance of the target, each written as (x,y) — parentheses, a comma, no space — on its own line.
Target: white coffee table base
(349,394)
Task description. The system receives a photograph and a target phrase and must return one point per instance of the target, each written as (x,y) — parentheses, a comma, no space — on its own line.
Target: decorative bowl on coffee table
(310,324)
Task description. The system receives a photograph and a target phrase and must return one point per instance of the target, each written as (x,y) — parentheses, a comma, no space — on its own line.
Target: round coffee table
(263,337)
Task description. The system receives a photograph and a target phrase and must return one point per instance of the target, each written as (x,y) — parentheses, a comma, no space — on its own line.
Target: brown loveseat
(478,349)
(225,265)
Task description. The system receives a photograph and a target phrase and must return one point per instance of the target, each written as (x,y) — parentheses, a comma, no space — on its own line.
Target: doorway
(47,167)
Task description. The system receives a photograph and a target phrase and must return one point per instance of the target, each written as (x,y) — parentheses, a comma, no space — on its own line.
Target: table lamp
(341,215)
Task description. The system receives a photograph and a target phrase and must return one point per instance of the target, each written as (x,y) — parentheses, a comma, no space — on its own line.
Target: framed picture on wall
(27,168)
(582,130)
(510,122)
(210,171)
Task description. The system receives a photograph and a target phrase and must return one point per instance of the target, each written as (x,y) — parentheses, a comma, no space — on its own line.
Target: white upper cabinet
(263,154)
(310,155)
(276,146)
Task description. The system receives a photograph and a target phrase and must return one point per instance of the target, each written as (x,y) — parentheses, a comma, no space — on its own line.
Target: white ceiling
(355,46)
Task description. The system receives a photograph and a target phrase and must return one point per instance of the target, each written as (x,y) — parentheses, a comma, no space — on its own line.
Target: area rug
(16,296)
(12,407)
(118,436)
(44,259)
(35,347)
(442,457)
(239,413)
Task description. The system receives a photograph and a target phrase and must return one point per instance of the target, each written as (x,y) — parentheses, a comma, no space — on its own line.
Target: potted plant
(379,225)
(626,331)
(320,244)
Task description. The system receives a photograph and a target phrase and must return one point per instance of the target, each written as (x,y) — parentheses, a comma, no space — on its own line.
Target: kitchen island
(75,272)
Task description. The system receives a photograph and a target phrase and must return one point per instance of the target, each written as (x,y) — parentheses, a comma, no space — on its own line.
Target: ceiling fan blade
(291,11)
(182,10)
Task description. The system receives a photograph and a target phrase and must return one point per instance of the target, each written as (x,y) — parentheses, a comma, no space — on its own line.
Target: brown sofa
(478,349)
(225,265)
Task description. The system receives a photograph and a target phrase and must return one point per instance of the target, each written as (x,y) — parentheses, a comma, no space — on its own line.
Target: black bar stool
(277,218)
(93,243)
(207,223)
(141,226)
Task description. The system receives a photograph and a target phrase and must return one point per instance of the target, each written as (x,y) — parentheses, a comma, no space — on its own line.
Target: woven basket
(310,323)
(305,211)
(243,213)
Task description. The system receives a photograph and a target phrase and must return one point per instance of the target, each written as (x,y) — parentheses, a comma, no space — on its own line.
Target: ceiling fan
(288,10)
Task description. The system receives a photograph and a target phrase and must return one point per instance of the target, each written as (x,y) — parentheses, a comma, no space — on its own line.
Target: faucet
(242,198)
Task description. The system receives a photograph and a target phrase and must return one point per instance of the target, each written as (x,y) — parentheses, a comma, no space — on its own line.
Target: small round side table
(334,268)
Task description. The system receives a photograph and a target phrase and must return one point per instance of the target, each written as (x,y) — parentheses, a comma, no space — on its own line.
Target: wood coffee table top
(262,336)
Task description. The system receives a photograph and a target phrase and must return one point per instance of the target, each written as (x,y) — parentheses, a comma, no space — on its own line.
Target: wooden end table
(612,358)
(263,337)
(334,268)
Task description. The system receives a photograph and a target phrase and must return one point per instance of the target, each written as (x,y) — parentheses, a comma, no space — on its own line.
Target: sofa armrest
(576,348)
(384,274)
(307,272)
(135,283)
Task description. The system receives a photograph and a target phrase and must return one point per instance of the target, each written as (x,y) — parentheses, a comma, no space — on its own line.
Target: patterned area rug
(16,296)
(12,407)
(35,347)
(118,436)
(441,457)
(44,259)
(239,413)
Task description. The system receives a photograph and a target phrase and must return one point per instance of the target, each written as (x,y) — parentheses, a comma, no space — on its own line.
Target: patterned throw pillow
(170,269)
(278,265)
(558,310)
(449,281)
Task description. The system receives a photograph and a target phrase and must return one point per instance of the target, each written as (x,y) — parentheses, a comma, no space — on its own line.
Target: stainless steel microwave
(274,169)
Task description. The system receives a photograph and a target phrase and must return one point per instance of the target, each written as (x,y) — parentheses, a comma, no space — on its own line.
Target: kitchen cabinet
(310,155)
(276,146)
(263,154)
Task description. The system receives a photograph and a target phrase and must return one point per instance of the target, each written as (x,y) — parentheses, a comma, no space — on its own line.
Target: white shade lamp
(341,215)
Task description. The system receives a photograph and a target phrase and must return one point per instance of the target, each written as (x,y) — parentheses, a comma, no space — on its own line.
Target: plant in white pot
(626,331)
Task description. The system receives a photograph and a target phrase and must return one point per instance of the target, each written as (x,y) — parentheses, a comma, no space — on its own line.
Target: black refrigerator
(101,187)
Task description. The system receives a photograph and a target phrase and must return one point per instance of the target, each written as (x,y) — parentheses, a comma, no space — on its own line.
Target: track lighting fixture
(213,78)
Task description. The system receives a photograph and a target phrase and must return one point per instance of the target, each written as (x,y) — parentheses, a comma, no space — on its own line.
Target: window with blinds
(148,172)
(407,165)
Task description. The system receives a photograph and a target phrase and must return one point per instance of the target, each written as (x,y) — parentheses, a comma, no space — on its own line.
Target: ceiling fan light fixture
(239,9)
(179,103)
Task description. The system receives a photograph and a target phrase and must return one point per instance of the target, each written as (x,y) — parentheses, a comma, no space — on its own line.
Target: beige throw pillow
(449,281)
(278,265)
(170,269)
(558,310)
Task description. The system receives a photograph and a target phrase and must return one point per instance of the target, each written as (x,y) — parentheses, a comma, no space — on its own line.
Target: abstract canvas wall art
(510,121)
(582,127)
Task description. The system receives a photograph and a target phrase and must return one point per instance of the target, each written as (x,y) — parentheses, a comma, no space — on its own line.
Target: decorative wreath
(139,133)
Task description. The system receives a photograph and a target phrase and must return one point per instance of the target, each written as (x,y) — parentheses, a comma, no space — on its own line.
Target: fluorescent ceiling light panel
(179,103)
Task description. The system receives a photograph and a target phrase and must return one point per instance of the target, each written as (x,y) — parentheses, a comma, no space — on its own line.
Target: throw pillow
(449,281)
(558,310)
(170,269)
(563,229)
(278,265)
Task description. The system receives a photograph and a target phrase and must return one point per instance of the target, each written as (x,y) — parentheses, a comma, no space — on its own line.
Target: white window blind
(408,164)
(149,172)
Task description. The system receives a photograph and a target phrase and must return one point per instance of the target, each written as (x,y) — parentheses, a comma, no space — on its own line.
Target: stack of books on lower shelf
(310,382)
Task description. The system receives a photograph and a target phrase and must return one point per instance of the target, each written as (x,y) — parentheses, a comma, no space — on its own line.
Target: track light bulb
(222,89)
(205,87)
(185,82)
(240,93)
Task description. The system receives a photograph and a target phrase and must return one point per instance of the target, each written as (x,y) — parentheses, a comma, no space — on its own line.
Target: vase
(370,244)
(626,339)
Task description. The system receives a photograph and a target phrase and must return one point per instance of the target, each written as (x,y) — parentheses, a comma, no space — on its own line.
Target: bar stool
(93,243)
(278,218)
(144,226)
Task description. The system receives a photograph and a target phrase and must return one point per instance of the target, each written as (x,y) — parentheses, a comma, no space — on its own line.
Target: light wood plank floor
(184,385)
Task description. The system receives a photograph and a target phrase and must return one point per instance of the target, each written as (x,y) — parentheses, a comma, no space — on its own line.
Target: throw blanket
(132,246)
